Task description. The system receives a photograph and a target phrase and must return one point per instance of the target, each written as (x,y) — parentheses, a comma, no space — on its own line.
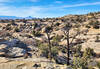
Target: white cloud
(20,11)
(24,11)
(79,5)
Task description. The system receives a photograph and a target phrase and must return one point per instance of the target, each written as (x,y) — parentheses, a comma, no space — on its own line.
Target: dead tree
(67,32)
(48,32)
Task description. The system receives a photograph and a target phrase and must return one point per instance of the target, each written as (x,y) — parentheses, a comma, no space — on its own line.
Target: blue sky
(47,8)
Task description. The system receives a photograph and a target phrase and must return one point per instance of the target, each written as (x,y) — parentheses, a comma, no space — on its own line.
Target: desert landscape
(68,42)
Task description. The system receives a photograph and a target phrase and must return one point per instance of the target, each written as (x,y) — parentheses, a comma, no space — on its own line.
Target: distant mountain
(29,17)
(10,17)
(14,17)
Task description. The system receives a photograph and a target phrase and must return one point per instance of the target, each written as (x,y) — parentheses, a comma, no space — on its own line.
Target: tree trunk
(68,49)
(49,46)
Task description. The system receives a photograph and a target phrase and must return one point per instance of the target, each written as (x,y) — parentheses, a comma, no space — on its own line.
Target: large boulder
(17,43)
(13,42)
(16,52)
(15,48)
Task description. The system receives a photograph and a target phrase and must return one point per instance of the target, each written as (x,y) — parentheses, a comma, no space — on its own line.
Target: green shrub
(29,36)
(78,51)
(87,26)
(79,63)
(95,24)
(12,22)
(64,50)
(56,39)
(54,51)
(77,25)
(97,39)
(8,28)
(45,50)
(57,24)
(78,48)
(17,30)
(48,29)
(88,53)
(36,33)
(8,25)
(98,65)
(35,25)
(24,21)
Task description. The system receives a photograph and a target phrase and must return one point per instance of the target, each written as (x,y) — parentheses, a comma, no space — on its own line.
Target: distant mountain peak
(29,17)
(15,17)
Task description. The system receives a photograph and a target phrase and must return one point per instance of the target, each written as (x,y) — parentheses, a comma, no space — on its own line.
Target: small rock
(24,67)
(68,68)
(49,66)
(37,65)
(61,59)
(2,46)
(2,49)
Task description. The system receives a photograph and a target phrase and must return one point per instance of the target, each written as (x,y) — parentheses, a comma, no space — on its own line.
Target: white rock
(15,52)
(2,46)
